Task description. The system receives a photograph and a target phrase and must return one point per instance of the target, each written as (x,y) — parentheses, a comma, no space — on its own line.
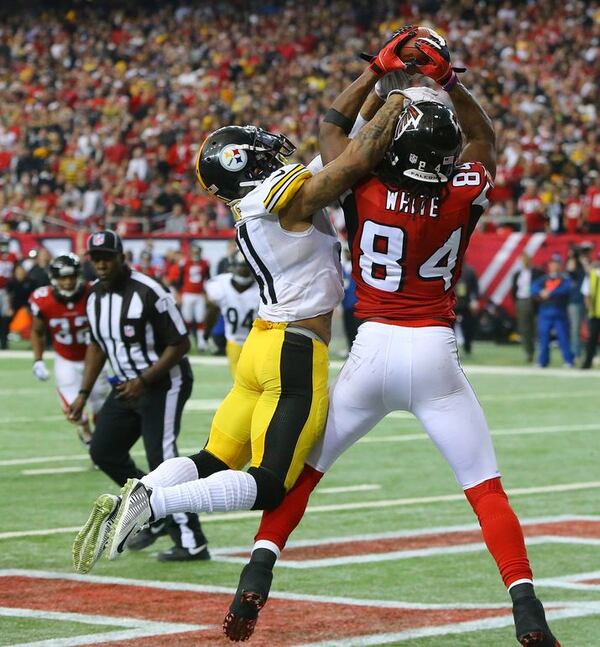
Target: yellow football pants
(277,407)
(233,351)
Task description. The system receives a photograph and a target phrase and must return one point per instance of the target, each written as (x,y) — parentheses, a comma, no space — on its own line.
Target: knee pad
(269,489)
(207,464)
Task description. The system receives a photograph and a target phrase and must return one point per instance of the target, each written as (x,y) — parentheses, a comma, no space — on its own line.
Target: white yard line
(580,611)
(54,470)
(508,371)
(365,487)
(339,507)
(138,627)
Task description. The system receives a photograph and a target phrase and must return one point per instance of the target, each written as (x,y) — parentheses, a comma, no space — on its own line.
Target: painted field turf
(388,552)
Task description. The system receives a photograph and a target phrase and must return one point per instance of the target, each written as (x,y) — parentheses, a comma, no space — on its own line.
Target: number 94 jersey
(67,322)
(239,309)
(407,251)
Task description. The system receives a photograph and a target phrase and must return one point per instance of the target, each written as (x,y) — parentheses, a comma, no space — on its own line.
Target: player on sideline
(194,273)
(235,294)
(277,407)
(60,309)
(409,227)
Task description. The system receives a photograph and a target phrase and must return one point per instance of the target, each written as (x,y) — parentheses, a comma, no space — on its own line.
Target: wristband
(451,82)
(336,118)
(84,392)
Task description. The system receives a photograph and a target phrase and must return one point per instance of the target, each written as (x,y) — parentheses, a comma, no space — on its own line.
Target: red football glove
(439,68)
(387,60)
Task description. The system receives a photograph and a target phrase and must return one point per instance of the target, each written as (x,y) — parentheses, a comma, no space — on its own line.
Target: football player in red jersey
(7,267)
(409,226)
(195,272)
(59,308)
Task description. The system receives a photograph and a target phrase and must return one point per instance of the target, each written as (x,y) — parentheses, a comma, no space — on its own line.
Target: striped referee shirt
(134,322)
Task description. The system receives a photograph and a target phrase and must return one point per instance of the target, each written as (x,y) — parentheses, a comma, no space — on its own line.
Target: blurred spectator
(552,292)
(224,264)
(7,264)
(532,209)
(592,204)
(38,274)
(576,267)
(19,288)
(591,291)
(525,306)
(574,207)
(467,307)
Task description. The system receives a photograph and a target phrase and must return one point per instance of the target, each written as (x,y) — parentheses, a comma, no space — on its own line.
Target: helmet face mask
(63,266)
(424,150)
(235,159)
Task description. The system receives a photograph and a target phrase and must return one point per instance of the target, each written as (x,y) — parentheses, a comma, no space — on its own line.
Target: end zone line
(342,507)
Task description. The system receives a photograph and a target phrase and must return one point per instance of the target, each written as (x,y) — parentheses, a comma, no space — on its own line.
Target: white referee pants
(395,368)
(68,375)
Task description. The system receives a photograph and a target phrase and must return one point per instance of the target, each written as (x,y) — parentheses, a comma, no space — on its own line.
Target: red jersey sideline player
(195,272)
(7,267)
(59,308)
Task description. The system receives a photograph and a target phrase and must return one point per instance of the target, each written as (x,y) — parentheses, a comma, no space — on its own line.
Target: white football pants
(68,375)
(193,307)
(392,368)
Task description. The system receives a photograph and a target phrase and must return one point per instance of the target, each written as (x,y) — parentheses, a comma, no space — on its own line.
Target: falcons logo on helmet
(408,120)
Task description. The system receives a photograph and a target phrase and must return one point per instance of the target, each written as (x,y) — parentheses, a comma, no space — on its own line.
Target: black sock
(263,557)
(522,591)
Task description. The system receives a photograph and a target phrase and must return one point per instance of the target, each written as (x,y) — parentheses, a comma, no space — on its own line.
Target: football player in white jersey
(278,404)
(235,294)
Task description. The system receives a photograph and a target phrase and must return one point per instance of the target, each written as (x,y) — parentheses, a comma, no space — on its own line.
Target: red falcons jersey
(7,266)
(407,252)
(194,275)
(66,321)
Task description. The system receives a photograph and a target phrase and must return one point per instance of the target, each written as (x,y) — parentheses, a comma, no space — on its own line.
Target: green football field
(388,552)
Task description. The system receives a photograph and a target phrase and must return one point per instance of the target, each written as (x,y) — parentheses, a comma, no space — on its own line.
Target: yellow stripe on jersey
(286,188)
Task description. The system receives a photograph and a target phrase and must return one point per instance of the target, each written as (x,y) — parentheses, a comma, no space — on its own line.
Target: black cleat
(147,536)
(530,624)
(250,597)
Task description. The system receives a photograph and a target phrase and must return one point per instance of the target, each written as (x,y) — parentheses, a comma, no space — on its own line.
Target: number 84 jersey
(407,251)
(66,321)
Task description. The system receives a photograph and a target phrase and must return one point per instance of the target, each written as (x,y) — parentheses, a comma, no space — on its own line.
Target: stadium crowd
(103,108)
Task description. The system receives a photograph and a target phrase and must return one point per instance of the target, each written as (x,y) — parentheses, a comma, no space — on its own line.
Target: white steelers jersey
(299,274)
(239,309)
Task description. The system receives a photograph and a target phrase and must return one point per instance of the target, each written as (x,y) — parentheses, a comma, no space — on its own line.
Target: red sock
(278,524)
(501,530)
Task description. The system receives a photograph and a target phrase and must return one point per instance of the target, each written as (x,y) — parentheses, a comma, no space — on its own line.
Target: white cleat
(133,514)
(92,539)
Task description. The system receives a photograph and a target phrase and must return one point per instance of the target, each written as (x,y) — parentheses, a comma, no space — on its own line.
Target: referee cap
(105,241)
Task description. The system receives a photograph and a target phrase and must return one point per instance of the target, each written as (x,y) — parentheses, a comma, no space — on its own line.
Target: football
(409,53)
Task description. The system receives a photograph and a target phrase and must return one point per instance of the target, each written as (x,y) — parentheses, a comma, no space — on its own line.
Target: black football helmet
(424,150)
(235,159)
(66,265)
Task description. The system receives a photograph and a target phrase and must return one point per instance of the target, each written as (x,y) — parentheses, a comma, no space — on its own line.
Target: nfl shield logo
(129,331)
(98,239)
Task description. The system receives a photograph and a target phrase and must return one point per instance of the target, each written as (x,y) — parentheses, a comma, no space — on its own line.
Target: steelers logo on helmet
(233,158)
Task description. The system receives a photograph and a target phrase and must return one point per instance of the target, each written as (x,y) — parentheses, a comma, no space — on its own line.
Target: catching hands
(40,371)
(387,59)
(439,67)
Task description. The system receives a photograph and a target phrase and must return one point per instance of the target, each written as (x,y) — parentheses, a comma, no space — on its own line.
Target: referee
(135,324)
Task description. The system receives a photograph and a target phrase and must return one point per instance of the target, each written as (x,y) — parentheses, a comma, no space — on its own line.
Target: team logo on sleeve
(233,158)
(129,331)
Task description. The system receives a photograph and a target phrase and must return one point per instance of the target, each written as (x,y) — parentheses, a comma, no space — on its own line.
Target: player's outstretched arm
(477,128)
(358,159)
